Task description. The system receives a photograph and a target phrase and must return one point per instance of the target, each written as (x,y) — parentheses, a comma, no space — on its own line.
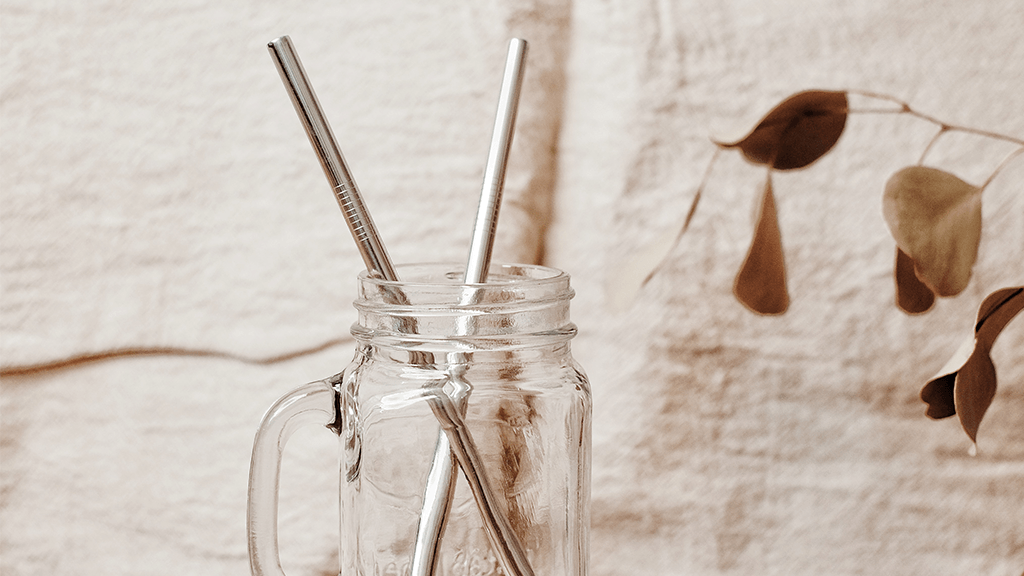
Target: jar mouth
(431,286)
(433,275)
(432,303)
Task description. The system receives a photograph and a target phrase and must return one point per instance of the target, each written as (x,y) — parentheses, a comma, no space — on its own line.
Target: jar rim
(450,274)
(519,300)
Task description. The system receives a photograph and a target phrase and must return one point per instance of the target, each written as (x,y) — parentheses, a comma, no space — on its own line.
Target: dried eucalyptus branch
(934,216)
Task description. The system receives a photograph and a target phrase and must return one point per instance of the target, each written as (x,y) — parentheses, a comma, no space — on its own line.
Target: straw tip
(278,41)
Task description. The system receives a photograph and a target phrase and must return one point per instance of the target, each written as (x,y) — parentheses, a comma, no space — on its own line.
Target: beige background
(157,191)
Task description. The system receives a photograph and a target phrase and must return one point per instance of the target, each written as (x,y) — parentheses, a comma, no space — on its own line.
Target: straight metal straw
(440,489)
(507,546)
(333,163)
(497,159)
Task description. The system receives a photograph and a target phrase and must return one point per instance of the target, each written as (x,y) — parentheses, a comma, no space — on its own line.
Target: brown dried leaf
(935,219)
(801,129)
(966,385)
(973,390)
(912,295)
(938,394)
(996,311)
(761,282)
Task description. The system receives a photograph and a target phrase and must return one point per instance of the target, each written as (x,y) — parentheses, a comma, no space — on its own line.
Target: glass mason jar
(464,425)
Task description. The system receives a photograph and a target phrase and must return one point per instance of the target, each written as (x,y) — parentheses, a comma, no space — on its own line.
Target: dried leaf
(973,390)
(996,311)
(966,385)
(976,381)
(938,391)
(761,282)
(935,219)
(912,295)
(798,131)
(938,394)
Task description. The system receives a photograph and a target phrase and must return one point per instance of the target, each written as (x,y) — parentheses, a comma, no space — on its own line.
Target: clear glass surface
(501,349)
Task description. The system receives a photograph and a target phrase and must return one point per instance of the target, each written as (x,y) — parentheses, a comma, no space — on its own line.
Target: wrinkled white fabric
(158,192)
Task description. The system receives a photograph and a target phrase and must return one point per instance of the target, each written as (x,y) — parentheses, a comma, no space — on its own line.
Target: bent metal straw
(440,489)
(506,544)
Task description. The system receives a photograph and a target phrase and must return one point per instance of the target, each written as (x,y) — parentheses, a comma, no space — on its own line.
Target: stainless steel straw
(507,547)
(333,163)
(440,488)
(497,159)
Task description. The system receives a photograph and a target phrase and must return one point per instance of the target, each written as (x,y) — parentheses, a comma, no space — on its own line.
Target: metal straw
(507,546)
(333,163)
(497,159)
(440,489)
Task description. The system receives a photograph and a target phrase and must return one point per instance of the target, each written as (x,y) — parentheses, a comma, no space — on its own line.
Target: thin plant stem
(905,108)
(942,130)
(689,214)
(1002,165)
(875,111)
(700,191)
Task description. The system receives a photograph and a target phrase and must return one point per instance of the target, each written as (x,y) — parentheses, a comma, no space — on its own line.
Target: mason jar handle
(313,403)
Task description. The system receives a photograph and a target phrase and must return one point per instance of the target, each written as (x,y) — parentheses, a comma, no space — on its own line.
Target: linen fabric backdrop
(159,195)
